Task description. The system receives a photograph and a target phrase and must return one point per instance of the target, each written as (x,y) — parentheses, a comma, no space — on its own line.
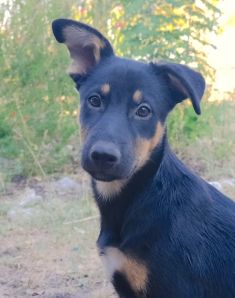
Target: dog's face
(124,103)
(122,118)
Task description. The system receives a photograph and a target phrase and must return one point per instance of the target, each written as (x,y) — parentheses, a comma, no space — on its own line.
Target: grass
(206,143)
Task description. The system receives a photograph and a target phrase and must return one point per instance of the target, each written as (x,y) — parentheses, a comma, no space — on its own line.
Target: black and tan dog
(164,231)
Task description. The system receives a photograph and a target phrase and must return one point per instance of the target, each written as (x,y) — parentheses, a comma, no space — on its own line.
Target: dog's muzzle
(103,161)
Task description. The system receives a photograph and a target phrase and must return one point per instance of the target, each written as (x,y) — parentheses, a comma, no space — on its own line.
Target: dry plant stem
(81,220)
(27,142)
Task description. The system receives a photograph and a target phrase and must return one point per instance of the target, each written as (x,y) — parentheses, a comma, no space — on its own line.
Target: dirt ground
(50,252)
(36,263)
(48,242)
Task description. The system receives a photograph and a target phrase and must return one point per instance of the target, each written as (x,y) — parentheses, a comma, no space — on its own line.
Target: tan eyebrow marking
(105,89)
(137,96)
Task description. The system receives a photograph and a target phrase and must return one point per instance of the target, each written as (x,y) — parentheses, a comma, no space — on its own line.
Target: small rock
(216,184)
(19,179)
(230,182)
(18,213)
(67,185)
(29,198)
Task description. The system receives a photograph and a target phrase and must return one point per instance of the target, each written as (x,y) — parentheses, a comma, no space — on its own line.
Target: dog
(164,231)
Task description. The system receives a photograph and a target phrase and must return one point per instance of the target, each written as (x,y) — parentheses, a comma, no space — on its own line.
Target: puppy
(165,232)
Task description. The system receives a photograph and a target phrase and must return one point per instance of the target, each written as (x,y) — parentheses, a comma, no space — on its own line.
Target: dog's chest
(133,270)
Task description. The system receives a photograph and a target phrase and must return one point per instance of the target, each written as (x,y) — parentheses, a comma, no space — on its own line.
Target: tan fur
(109,189)
(144,147)
(105,89)
(77,40)
(137,96)
(76,67)
(135,271)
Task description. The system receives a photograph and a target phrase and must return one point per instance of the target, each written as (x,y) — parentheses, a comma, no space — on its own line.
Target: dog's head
(124,103)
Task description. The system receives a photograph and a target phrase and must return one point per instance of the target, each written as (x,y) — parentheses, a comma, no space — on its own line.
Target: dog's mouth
(100,176)
(106,175)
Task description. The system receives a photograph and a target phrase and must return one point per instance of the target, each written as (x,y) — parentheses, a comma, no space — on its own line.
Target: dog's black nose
(104,154)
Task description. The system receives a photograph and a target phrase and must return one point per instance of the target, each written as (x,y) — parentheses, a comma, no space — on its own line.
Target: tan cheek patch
(137,96)
(144,147)
(135,271)
(84,49)
(142,152)
(157,136)
(105,89)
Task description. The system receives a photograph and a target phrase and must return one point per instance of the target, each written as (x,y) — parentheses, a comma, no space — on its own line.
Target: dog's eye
(95,101)
(143,111)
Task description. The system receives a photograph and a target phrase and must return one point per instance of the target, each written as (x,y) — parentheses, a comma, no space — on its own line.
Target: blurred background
(48,221)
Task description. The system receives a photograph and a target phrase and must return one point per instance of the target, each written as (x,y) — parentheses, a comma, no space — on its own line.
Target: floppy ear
(86,45)
(183,83)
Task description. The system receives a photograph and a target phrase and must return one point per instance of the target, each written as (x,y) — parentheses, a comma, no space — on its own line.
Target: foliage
(38,105)
(171,30)
(164,29)
(37,98)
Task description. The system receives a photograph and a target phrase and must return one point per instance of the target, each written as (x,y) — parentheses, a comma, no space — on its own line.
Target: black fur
(178,225)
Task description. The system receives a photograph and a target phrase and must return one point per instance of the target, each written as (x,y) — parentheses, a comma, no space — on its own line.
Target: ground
(48,235)
(48,244)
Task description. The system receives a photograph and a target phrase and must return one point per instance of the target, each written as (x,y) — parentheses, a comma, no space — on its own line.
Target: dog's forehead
(123,76)
(128,74)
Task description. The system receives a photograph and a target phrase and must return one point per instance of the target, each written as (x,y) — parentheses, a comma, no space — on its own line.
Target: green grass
(206,143)
(53,212)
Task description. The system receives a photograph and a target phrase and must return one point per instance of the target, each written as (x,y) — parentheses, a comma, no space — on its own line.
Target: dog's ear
(86,45)
(183,83)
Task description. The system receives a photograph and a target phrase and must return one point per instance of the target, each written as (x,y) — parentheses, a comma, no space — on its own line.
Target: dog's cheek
(141,152)
(144,147)
(156,139)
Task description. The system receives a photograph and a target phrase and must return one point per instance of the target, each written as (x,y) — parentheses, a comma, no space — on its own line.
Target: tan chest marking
(135,271)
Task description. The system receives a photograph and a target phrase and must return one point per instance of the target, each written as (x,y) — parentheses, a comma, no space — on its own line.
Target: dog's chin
(104,178)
